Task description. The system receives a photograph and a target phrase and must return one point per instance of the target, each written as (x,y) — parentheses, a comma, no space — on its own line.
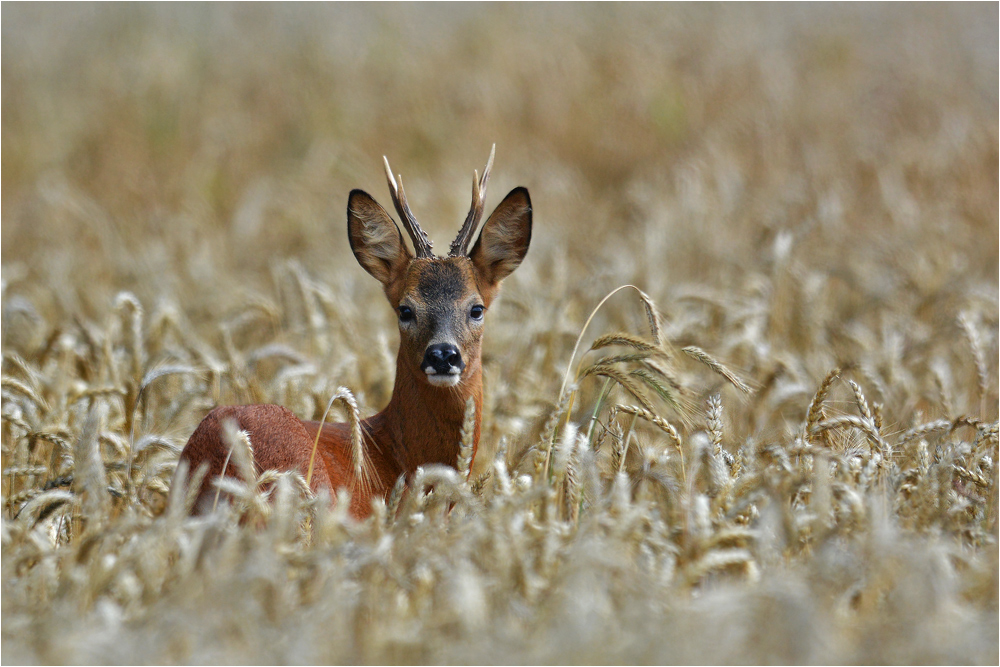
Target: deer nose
(442,359)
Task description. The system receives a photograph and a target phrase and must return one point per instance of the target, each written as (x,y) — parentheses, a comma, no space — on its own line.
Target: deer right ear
(504,240)
(375,238)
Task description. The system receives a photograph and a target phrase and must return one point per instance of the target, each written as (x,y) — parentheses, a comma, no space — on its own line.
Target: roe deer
(441,303)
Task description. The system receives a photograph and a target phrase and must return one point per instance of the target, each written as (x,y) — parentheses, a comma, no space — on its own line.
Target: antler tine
(421,244)
(460,246)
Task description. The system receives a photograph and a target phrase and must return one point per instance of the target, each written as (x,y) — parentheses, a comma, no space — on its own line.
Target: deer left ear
(375,238)
(503,243)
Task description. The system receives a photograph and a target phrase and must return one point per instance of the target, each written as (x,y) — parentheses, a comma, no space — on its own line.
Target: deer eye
(477,312)
(405,314)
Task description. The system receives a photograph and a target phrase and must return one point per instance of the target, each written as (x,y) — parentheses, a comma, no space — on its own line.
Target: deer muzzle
(443,364)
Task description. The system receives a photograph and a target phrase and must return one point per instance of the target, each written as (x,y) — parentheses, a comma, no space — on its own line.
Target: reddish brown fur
(422,423)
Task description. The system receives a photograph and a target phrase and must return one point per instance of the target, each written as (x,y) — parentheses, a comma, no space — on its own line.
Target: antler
(421,244)
(460,246)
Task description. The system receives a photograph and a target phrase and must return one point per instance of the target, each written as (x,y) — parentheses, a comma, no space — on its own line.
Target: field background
(808,195)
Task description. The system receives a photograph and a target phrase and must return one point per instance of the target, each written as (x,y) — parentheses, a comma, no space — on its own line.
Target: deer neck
(422,424)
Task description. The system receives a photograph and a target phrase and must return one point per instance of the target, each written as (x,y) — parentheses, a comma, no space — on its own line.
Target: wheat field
(779,446)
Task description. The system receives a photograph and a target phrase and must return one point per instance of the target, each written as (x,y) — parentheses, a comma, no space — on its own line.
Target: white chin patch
(449,380)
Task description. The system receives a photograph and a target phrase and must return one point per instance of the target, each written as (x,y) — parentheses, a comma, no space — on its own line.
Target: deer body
(441,304)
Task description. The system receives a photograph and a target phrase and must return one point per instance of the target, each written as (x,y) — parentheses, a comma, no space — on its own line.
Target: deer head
(441,302)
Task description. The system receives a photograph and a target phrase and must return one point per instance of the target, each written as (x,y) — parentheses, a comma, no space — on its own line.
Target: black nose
(443,357)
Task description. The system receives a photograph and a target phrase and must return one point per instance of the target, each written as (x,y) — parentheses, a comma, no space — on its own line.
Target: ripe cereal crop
(779,445)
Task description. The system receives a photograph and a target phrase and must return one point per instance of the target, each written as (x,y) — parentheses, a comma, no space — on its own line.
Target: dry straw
(359,457)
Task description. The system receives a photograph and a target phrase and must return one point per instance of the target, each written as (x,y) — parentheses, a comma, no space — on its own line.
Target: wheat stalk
(707,359)
(467,439)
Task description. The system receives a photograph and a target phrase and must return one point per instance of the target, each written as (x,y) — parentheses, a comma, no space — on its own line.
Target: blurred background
(180,151)
(798,188)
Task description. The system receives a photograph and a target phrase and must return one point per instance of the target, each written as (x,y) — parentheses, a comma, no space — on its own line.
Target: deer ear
(375,238)
(503,243)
